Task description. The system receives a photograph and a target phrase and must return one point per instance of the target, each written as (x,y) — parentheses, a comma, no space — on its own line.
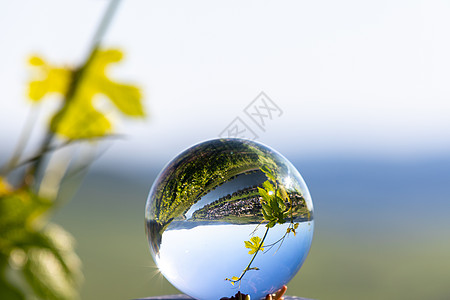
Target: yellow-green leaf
(266,169)
(49,79)
(47,277)
(125,97)
(79,117)
(80,122)
(36,61)
(268,187)
(254,245)
(283,193)
(21,209)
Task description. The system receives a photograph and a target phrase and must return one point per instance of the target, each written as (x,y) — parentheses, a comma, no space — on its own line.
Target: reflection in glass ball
(229,215)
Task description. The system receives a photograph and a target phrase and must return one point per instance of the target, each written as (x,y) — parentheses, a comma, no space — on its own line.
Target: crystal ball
(229,215)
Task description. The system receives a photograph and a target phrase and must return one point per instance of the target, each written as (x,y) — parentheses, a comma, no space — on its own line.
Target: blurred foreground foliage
(41,252)
(37,258)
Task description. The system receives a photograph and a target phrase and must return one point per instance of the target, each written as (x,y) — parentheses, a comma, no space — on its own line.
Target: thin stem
(257,226)
(254,255)
(77,76)
(104,25)
(273,244)
(81,168)
(60,146)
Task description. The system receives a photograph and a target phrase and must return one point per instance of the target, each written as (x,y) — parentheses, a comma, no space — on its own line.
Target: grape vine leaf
(79,117)
(254,245)
(233,279)
(273,207)
(50,268)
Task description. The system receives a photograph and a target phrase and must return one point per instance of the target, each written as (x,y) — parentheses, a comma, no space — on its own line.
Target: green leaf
(36,61)
(281,204)
(45,275)
(49,79)
(271,223)
(20,209)
(267,211)
(282,193)
(80,121)
(269,173)
(233,279)
(52,269)
(9,292)
(274,205)
(263,193)
(80,117)
(268,187)
(125,97)
(254,245)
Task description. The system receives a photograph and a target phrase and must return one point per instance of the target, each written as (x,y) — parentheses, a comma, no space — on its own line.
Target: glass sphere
(229,215)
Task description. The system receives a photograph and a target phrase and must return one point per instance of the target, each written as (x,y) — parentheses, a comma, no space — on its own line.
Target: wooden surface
(184,297)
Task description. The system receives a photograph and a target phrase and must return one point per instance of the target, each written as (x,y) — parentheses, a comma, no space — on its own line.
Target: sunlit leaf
(52,268)
(265,168)
(46,276)
(281,204)
(233,279)
(49,264)
(254,245)
(79,118)
(263,193)
(49,79)
(20,209)
(267,211)
(283,193)
(80,121)
(36,61)
(268,187)
(271,224)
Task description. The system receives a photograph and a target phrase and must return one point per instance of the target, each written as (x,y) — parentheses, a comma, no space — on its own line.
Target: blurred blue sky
(353,78)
